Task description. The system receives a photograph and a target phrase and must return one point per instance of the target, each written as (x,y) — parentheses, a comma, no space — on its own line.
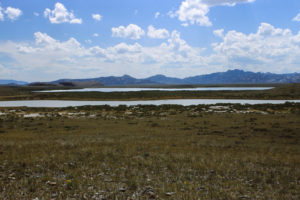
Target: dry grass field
(151,152)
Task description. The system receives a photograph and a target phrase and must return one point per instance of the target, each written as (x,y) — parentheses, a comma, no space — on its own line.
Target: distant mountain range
(230,77)
(111,80)
(240,76)
(12,82)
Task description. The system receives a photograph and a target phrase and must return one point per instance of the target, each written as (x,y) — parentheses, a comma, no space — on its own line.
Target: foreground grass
(148,152)
(284,91)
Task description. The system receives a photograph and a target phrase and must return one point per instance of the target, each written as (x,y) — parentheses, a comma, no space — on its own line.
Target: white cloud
(97,17)
(195,11)
(297,18)
(157,33)
(132,31)
(44,39)
(182,52)
(268,49)
(46,43)
(13,13)
(219,33)
(1,14)
(122,48)
(69,58)
(156,15)
(61,15)
(96,35)
(36,14)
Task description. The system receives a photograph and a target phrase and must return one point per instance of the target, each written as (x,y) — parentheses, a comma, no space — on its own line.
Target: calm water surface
(160,89)
(184,102)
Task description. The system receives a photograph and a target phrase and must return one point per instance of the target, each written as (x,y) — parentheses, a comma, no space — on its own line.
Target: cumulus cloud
(97,17)
(36,14)
(50,56)
(174,50)
(195,11)
(96,35)
(45,43)
(297,18)
(61,15)
(157,33)
(11,13)
(132,31)
(275,47)
(267,49)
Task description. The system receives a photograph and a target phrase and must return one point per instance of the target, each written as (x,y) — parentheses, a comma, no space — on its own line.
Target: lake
(160,89)
(184,102)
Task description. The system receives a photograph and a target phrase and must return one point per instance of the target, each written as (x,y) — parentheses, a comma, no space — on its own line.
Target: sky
(48,40)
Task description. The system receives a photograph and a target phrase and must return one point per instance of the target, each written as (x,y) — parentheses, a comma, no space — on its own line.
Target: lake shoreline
(120,89)
(181,102)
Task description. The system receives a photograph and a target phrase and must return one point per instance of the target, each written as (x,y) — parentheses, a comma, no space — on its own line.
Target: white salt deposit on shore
(33,115)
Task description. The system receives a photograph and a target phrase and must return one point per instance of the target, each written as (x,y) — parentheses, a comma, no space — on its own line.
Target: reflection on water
(184,102)
(160,89)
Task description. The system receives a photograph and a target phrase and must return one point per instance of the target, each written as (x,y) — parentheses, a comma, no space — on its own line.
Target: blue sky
(48,40)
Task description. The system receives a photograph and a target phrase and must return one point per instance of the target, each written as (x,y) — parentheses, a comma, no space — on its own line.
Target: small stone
(122,189)
(170,193)
(52,183)
(244,197)
(149,191)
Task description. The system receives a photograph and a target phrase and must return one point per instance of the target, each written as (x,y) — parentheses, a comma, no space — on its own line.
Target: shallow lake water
(160,89)
(184,102)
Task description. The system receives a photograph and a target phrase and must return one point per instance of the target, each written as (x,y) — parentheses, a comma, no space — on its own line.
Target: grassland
(151,152)
(284,91)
